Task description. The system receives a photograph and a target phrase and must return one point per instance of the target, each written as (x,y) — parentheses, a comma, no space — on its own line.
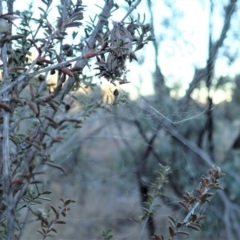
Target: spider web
(101,161)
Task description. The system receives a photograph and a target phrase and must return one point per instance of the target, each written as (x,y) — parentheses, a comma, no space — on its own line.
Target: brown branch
(228,13)
(158,77)
(213,51)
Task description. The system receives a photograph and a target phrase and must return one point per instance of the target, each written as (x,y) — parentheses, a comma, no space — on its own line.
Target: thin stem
(131,9)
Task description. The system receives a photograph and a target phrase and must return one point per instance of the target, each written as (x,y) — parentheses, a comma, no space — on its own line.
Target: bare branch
(158,79)
(213,51)
(6,175)
(228,13)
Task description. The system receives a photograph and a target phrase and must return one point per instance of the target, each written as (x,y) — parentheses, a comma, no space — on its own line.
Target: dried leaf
(17,68)
(17,182)
(70,120)
(140,46)
(5,107)
(217,187)
(132,56)
(59,23)
(204,182)
(56,212)
(183,232)
(42,60)
(51,120)
(172,221)
(67,72)
(90,54)
(68,201)
(33,107)
(76,69)
(32,91)
(157,237)
(104,45)
(199,190)
(9,16)
(60,222)
(193,217)
(46,192)
(204,197)
(55,108)
(180,224)
(171,231)
(59,58)
(54,230)
(48,97)
(184,204)
(55,166)
(193,227)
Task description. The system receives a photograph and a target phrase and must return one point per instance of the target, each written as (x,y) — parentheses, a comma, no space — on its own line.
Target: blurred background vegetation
(180,98)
